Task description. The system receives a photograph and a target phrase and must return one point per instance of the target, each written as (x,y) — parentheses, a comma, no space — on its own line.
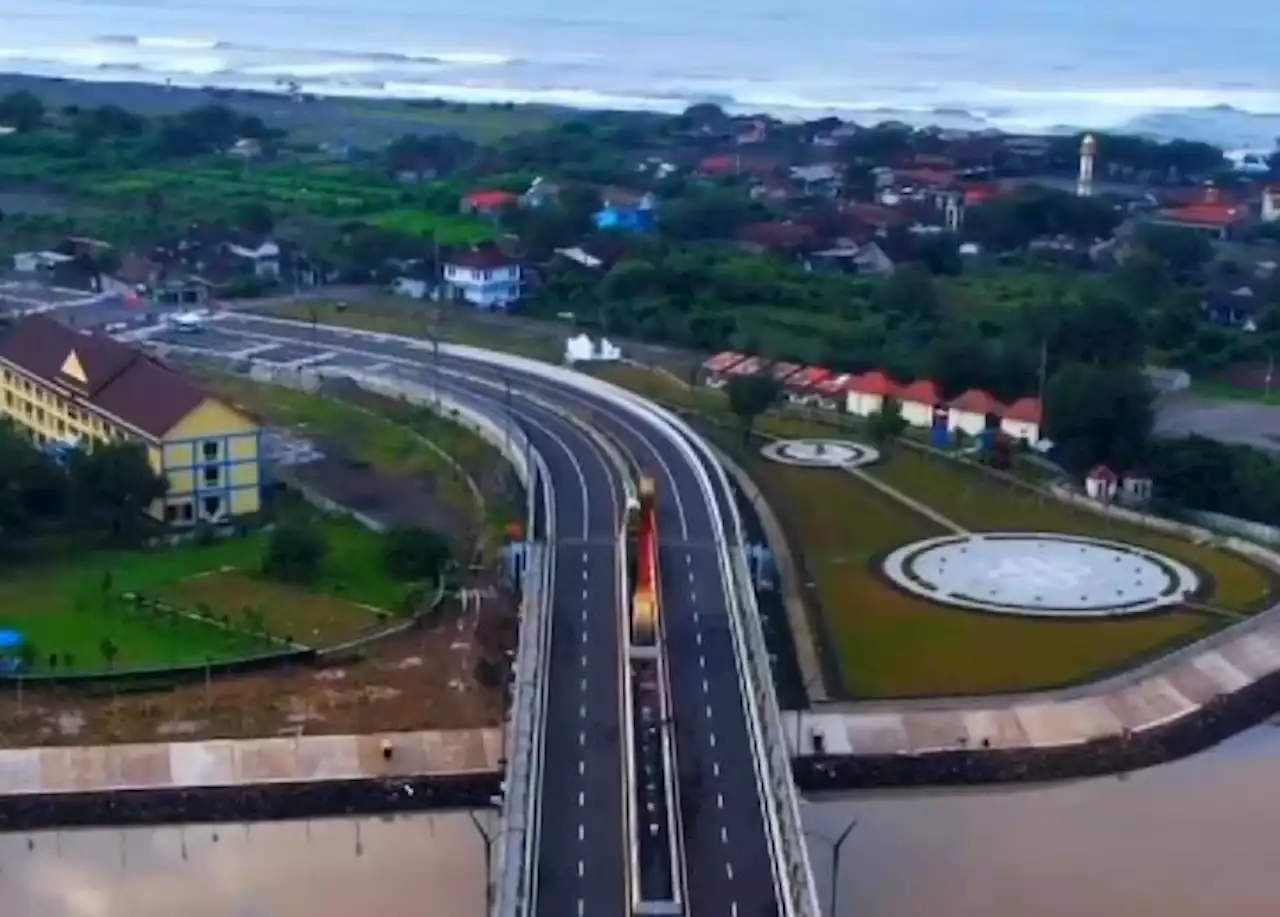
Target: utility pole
(835,845)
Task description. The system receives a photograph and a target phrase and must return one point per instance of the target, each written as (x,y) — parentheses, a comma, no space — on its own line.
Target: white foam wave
(160,42)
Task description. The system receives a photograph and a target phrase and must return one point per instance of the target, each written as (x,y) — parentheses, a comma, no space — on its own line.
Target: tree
(22,110)
(1183,252)
(751,396)
(412,553)
(109,651)
(1099,413)
(255,217)
(295,551)
(114,485)
(887,423)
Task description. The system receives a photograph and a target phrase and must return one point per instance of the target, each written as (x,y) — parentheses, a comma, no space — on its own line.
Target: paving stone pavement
(1160,694)
(245,762)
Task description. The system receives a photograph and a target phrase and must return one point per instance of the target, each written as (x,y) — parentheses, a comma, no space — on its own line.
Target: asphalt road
(727,857)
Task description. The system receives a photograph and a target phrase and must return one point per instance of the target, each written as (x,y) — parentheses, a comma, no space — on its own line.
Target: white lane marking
(582,799)
(582,738)
(698,637)
(733,909)
(728,870)
(584,684)
(710,715)
(724,834)
(582,832)
(582,908)
(584,576)
(691,576)
(693,597)
(582,711)
(584,660)
(584,593)
(582,768)
(702,660)
(706,686)
(584,636)
(711,737)
(715,768)
(719,801)
(582,869)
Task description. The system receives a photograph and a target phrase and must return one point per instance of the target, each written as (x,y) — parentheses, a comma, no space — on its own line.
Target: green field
(447,229)
(72,606)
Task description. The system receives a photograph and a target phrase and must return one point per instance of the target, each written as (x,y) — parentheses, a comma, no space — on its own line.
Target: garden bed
(982,502)
(887,644)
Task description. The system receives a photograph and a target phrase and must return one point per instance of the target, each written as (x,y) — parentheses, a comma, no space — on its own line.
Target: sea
(1192,70)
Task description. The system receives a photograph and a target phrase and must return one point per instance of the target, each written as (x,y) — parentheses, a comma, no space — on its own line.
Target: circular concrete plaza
(1045,575)
(820,453)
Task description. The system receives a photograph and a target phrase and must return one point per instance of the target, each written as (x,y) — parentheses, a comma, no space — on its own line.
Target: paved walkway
(1161,692)
(245,762)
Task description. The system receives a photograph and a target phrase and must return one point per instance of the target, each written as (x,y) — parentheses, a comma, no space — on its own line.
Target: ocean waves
(1239,114)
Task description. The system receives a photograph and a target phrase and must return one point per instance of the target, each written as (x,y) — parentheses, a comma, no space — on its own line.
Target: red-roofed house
(867,393)
(484,276)
(975,411)
(784,371)
(751,366)
(831,393)
(919,401)
(714,367)
(488,202)
(1212,215)
(1022,419)
(801,385)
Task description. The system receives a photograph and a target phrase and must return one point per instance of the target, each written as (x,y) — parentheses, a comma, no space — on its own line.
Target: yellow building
(64,386)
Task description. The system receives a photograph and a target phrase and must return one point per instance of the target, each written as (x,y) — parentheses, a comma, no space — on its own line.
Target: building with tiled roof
(868,391)
(974,411)
(1023,419)
(488,201)
(66,388)
(483,275)
(919,401)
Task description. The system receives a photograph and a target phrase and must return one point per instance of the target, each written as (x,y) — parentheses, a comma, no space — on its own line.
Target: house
(920,402)
(867,393)
(66,388)
(261,259)
(43,262)
(974,412)
(783,371)
(831,394)
(751,366)
(714,368)
(1213,215)
(1271,204)
(1022,420)
(801,386)
(1101,483)
(488,202)
(821,178)
(540,193)
(1233,309)
(784,237)
(484,276)
(625,210)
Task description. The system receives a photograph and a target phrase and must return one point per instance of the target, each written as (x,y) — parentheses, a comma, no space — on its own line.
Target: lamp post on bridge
(835,846)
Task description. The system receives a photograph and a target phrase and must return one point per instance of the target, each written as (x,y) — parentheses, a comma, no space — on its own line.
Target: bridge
(647,768)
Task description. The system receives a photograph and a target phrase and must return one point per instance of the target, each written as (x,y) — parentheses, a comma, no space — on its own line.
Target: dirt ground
(423,679)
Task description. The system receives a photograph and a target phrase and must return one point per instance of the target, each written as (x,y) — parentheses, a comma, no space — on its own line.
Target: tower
(1088,151)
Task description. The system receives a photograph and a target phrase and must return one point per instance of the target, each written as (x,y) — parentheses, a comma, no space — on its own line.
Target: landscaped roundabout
(1040,574)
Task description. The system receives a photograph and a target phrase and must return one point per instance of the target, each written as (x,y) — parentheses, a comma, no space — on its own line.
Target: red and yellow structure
(644,594)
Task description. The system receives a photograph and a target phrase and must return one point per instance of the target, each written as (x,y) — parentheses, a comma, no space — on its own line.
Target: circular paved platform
(1046,575)
(820,453)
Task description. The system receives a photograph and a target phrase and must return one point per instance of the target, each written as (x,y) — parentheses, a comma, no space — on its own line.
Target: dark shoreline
(260,802)
(362,120)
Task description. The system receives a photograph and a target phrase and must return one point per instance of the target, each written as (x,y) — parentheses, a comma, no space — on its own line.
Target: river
(1190,839)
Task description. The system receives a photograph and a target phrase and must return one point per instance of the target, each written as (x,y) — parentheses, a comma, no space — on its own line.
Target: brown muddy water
(1192,839)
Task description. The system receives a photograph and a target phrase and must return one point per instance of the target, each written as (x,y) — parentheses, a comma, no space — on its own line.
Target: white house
(1271,204)
(1023,419)
(1101,483)
(582,349)
(265,258)
(483,276)
(867,393)
(973,411)
(31,262)
(919,400)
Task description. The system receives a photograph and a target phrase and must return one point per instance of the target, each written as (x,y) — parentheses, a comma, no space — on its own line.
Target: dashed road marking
(582,908)
(698,637)
(693,597)
(584,576)
(728,870)
(584,593)
(582,869)
(691,576)
(719,801)
(715,768)
(582,768)
(702,661)
(582,833)
(706,686)
(584,683)
(733,909)
(710,715)
(582,711)
(711,737)
(582,799)
(582,738)
(724,834)
(584,636)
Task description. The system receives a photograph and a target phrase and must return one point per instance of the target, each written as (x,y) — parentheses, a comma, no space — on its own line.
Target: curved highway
(729,865)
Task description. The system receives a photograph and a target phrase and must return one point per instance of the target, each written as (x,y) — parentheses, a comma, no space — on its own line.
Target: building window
(210,450)
(26,408)
(212,506)
(211,474)
(8,376)
(8,399)
(62,427)
(171,513)
(185,511)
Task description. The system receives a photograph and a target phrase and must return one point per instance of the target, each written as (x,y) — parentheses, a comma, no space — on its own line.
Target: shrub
(295,551)
(414,554)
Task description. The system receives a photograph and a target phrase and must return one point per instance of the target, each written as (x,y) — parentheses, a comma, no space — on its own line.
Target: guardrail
(786,832)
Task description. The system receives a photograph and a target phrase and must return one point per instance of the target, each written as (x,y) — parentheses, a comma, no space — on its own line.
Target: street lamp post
(835,860)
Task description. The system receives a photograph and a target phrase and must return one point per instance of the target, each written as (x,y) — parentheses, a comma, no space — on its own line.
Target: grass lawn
(449,324)
(981,502)
(888,644)
(1208,388)
(477,122)
(63,608)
